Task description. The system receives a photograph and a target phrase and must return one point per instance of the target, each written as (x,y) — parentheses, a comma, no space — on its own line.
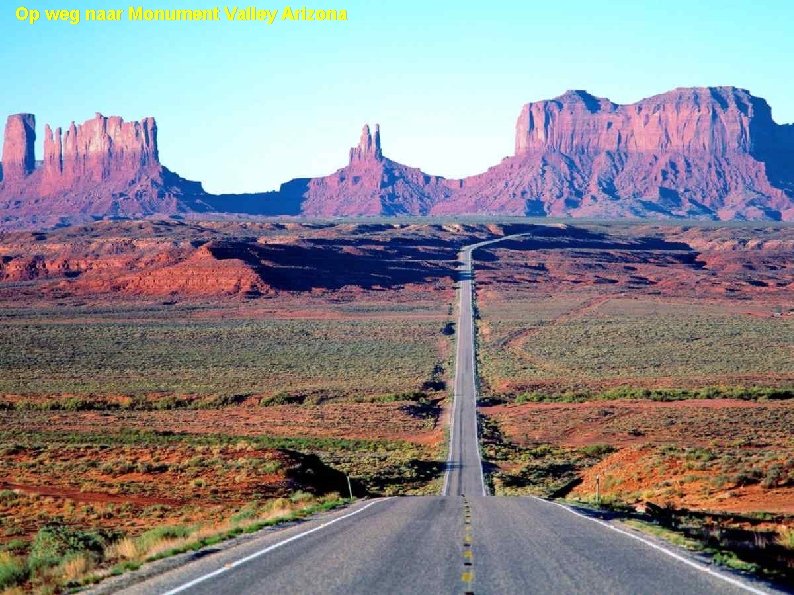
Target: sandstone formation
(103,167)
(372,184)
(18,157)
(168,259)
(102,150)
(368,148)
(708,153)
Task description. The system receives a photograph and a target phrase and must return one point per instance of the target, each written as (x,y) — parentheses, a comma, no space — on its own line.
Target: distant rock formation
(706,153)
(103,167)
(367,148)
(19,160)
(709,153)
(372,184)
(100,151)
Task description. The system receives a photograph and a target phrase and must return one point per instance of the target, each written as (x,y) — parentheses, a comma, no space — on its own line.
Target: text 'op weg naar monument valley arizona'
(571,372)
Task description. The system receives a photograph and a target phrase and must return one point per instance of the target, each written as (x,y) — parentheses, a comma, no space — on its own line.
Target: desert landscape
(210,377)
(434,298)
(214,377)
(646,368)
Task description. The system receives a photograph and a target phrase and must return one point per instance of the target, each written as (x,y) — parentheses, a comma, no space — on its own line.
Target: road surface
(461,542)
(464,473)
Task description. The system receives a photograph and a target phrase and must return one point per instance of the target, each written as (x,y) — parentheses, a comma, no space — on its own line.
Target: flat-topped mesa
(98,150)
(18,158)
(368,147)
(718,120)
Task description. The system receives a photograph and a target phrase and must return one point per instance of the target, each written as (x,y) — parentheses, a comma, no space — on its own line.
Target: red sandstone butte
(372,184)
(100,151)
(18,157)
(103,167)
(705,153)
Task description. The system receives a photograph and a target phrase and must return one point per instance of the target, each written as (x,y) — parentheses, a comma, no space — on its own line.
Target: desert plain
(166,383)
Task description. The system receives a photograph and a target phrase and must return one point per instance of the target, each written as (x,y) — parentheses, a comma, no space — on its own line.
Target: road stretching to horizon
(464,541)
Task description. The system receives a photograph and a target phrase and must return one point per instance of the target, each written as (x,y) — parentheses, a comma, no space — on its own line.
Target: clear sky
(244,106)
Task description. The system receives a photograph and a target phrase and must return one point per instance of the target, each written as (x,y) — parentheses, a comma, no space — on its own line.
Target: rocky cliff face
(99,151)
(103,167)
(713,120)
(706,152)
(372,184)
(368,148)
(18,156)
(709,153)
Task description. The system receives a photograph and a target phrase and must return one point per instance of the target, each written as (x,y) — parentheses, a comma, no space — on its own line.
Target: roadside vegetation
(217,359)
(62,557)
(758,544)
(633,348)
(132,434)
(730,500)
(75,508)
(539,469)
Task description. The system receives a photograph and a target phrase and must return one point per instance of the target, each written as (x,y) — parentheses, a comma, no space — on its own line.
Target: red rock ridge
(18,156)
(99,151)
(372,184)
(714,120)
(709,153)
(103,167)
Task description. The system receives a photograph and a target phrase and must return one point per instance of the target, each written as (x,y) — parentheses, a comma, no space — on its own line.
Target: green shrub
(598,450)
(55,541)
(281,399)
(773,476)
(15,545)
(301,496)
(7,496)
(531,397)
(245,513)
(75,404)
(12,571)
(158,534)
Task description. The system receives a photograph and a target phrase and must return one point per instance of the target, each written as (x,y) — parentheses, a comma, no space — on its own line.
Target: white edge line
(445,489)
(270,548)
(474,371)
(470,249)
(679,557)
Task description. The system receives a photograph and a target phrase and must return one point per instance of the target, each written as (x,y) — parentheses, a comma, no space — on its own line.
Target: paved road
(396,545)
(464,473)
(528,545)
(463,542)
(434,545)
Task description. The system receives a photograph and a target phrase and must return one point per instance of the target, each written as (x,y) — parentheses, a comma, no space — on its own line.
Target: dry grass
(704,455)
(124,549)
(75,567)
(786,537)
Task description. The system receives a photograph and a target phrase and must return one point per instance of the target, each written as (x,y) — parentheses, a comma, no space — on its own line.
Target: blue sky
(244,107)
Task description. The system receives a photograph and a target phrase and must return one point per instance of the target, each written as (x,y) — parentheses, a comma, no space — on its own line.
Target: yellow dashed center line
(468,554)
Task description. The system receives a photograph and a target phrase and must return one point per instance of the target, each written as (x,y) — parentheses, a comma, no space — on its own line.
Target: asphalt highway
(464,474)
(462,542)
